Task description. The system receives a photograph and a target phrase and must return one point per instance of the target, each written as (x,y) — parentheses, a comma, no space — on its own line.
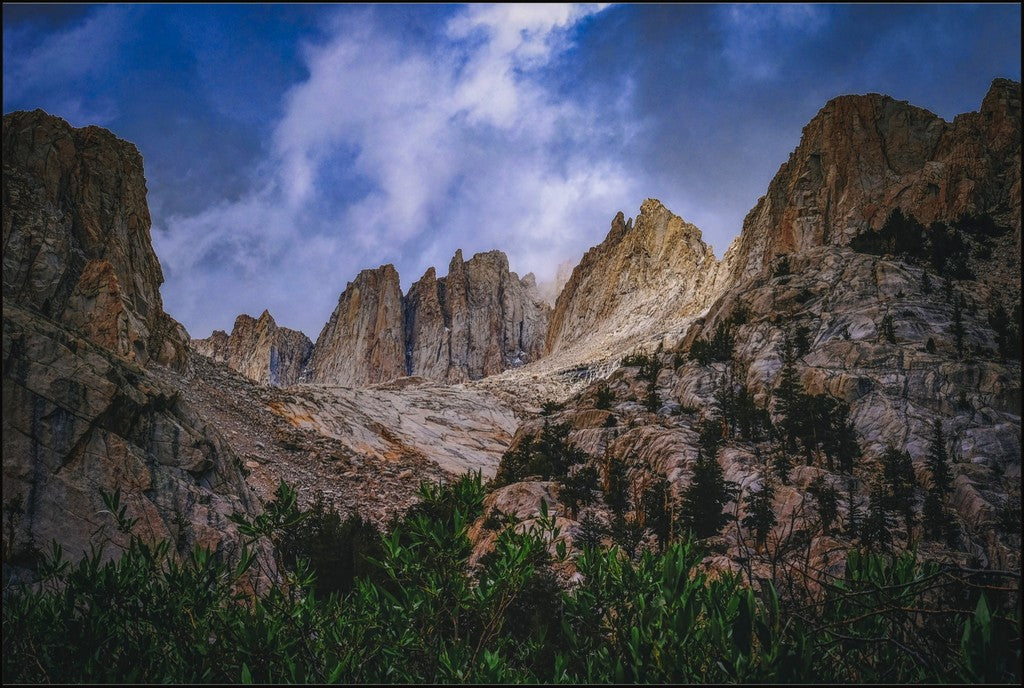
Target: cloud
(388,144)
(43,66)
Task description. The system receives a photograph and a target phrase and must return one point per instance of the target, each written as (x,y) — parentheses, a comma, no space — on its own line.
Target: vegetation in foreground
(407,607)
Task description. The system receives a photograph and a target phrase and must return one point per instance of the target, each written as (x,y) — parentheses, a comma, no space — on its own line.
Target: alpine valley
(841,391)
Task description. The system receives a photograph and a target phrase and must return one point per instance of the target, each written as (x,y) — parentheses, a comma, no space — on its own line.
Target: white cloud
(461,145)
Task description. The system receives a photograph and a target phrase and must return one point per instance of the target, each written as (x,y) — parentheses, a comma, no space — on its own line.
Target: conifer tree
(701,509)
(826,500)
(898,484)
(787,394)
(760,508)
(936,517)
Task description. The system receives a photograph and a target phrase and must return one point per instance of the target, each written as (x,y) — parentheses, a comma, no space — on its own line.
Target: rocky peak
(862,156)
(478,320)
(260,350)
(76,237)
(653,271)
(363,342)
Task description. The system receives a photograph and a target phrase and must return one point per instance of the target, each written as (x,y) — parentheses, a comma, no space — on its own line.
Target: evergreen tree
(826,501)
(701,510)
(657,510)
(898,484)
(938,461)
(876,529)
(616,492)
(591,533)
(854,512)
(937,521)
(604,397)
(787,393)
(760,508)
(577,489)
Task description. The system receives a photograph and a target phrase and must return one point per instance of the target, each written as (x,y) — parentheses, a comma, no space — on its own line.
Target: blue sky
(288,147)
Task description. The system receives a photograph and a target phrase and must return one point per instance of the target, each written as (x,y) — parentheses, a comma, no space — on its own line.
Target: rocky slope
(82,320)
(899,342)
(259,349)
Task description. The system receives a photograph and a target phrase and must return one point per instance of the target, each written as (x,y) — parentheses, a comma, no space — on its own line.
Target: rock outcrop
(76,237)
(901,345)
(643,276)
(82,318)
(260,350)
(363,342)
(479,320)
(863,156)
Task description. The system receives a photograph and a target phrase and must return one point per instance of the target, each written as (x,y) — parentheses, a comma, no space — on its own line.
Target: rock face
(260,350)
(644,274)
(363,342)
(82,317)
(862,156)
(76,237)
(478,320)
(888,336)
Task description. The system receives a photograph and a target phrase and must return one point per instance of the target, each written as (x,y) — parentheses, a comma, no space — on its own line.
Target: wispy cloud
(461,136)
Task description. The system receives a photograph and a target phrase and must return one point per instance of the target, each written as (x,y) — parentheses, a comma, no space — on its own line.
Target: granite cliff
(83,329)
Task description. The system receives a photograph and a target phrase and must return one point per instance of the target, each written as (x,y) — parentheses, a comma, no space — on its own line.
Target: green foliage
(945,248)
(801,340)
(826,502)
(656,505)
(636,359)
(740,314)
(591,533)
(604,397)
(336,551)
(717,347)
(577,489)
(550,407)
(652,401)
(901,235)
(896,491)
(760,508)
(547,455)
(748,420)
(957,328)
(616,486)
(150,617)
(938,522)
(930,346)
(701,510)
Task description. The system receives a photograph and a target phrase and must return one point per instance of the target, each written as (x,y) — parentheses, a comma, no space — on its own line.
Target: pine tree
(577,490)
(898,484)
(938,461)
(854,513)
(657,510)
(936,517)
(876,529)
(787,394)
(826,500)
(701,509)
(591,533)
(616,493)
(760,508)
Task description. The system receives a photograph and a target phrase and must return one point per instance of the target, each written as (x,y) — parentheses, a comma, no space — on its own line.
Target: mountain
(259,349)
(836,334)
(83,329)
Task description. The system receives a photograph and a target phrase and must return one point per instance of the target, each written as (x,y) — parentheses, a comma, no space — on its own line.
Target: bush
(547,455)
(148,617)
(717,347)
